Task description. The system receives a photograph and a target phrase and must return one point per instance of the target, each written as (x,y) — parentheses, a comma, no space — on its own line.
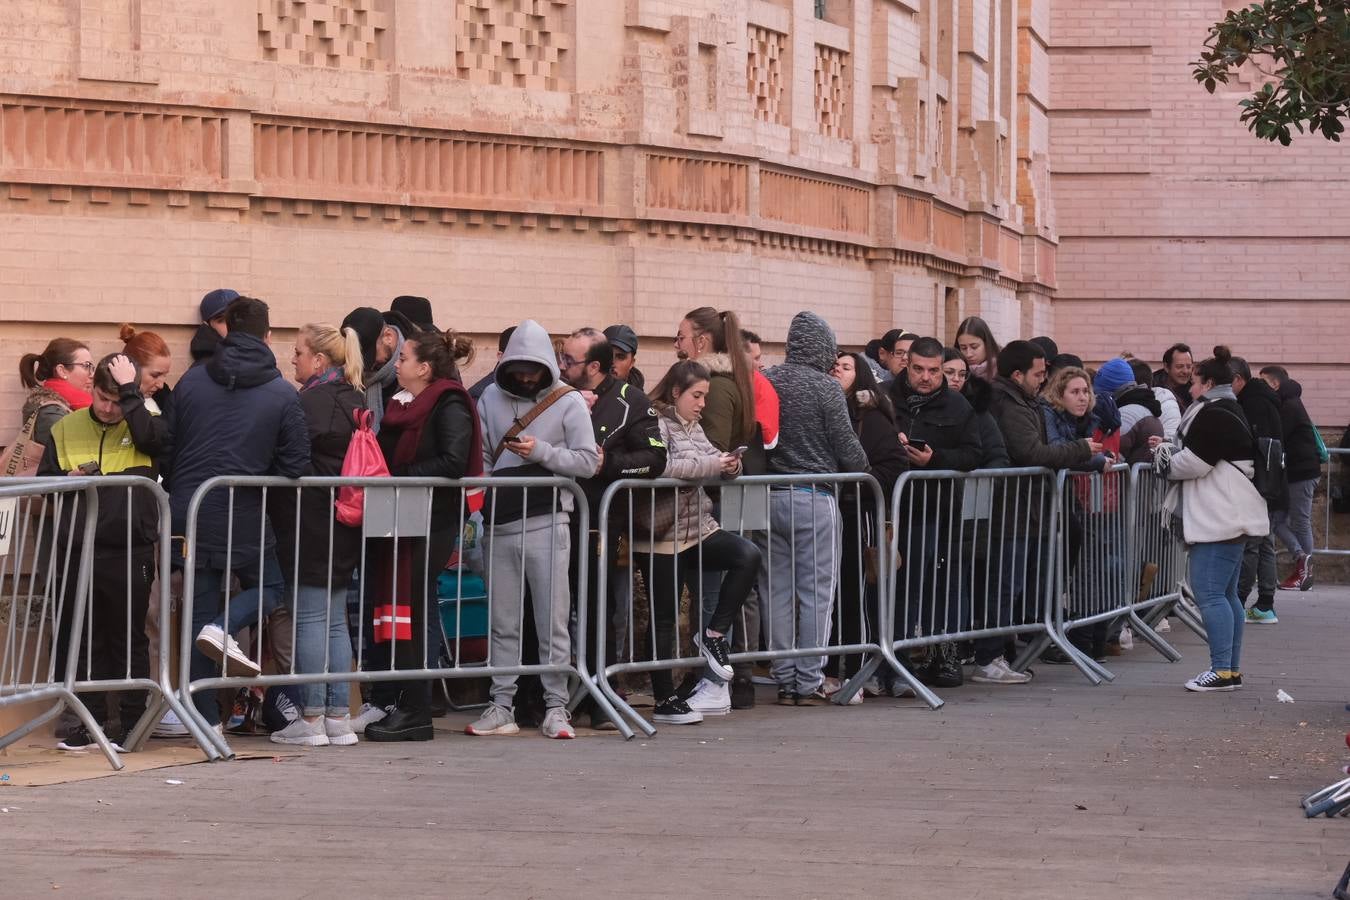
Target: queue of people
(577,410)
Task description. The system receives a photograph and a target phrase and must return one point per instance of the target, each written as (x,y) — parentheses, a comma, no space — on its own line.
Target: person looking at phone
(1021,372)
(676,538)
(936,424)
(533,425)
(938,430)
(115,435)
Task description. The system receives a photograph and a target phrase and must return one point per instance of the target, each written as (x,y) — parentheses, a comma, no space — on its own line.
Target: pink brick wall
(1175,223)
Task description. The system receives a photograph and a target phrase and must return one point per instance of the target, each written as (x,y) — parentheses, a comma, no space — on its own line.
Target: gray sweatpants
(797,580)
(541,557)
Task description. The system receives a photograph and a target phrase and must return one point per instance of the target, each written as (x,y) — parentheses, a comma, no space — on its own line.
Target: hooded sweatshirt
(1302,459)
(564,441)
(815,433)
(234,415)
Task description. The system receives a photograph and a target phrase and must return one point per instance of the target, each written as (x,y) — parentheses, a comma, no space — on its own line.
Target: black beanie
(1048,345)
(367,323)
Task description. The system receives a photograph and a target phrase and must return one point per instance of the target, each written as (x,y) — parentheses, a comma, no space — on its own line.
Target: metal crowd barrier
(395,510)
(1114,549)
(985,536)
(1334,488)
(51,580)
(844,515)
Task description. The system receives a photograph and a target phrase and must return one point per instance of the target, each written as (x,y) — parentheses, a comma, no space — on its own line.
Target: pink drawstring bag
(363,460)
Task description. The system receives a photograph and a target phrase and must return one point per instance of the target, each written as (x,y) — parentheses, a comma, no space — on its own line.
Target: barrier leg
(154,710)
(33,725)
(1153,639)
(599,699)
(1091,671)
(87,719)
(920,689)
(620,705)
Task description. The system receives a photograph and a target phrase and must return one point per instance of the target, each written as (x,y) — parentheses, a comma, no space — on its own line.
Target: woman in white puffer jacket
(1212,463)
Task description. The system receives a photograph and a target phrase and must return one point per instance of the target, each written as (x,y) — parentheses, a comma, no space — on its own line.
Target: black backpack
(1270,479)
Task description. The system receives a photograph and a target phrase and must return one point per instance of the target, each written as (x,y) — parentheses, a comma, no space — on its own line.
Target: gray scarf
(382,378)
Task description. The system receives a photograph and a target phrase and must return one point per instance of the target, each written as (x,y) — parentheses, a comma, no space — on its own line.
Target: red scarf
(412,417)
(74,397)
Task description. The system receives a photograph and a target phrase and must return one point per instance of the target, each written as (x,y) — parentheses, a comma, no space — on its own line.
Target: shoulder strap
(523,422)
(15,451)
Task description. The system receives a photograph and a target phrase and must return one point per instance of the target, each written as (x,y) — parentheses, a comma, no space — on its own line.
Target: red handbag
(364,459)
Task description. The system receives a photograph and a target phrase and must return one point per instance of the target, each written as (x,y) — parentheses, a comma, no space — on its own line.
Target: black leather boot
(402,725)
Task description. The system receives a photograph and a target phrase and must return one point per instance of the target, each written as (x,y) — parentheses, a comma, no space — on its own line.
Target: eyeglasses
(568,362)
(87,366)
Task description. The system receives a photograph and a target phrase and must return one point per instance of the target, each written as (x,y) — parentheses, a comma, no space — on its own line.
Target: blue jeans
(207,590)
(1214,579)
(321,631)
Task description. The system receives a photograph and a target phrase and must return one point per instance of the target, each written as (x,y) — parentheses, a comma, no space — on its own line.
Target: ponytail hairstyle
(678,378)
(343,349)
(444,351)
(725,330)
(1218,369)
(142,346)
(35,368)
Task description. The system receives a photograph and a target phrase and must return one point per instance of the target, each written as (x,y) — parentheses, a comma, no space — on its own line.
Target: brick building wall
(585,162)
(1175,223)
(580,162)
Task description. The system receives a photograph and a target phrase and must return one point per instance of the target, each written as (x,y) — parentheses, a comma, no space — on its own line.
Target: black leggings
(666,575)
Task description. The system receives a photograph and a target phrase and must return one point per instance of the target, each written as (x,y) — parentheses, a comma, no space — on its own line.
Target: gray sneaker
(999,672)
(368,715)
(302,734)
(495,720)
(339,730)
(557,724)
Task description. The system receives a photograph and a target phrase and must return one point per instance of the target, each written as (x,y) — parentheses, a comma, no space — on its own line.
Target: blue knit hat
(1114,374)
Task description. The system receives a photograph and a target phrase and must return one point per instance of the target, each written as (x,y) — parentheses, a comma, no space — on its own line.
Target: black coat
(233,415)
(442,452)
(993,449)
(1261,405)
(626,429)
(946,422)
(886,459)
(1302,462)
(329,414)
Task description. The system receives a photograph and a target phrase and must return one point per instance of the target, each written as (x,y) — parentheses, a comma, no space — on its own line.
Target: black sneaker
(1053,656)
(80,739)
(1211,682)
(742,693)
(787,697)
(674,711)
(943,669)
(718,654)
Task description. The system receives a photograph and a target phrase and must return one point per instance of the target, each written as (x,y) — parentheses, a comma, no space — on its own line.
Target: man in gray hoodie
(801,550)
(528,539)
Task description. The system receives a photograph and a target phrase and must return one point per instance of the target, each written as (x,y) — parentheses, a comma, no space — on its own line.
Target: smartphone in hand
(918,444)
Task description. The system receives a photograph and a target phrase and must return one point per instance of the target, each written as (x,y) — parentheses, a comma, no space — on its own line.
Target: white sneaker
(557,724)
(495,720)
(901,690)
(874,688)
(710,699)
(833,685)
(169,727)
(368,715)
(1163,626)
(302,734)
(216,644)
(999,672)
(339,730)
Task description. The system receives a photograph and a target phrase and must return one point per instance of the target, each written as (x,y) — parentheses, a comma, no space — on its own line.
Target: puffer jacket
(722,411)
(682,515)
(1302,460)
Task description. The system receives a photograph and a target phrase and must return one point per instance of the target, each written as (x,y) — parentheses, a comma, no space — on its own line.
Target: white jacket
(1171,412)
(1216,503)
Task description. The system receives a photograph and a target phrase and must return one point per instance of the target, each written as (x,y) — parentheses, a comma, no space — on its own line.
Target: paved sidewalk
(1135,789)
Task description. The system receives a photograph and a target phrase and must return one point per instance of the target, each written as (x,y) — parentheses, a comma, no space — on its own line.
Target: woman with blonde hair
(328,367)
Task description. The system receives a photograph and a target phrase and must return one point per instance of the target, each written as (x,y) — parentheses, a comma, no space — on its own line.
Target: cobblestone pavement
(1055,790)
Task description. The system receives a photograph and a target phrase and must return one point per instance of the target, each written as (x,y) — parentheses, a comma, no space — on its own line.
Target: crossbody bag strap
(523,422)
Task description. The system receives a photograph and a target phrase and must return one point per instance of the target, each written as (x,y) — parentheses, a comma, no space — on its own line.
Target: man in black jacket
(1303,467)
(235,415)
(629,438)
(938,430)
(1261,406)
